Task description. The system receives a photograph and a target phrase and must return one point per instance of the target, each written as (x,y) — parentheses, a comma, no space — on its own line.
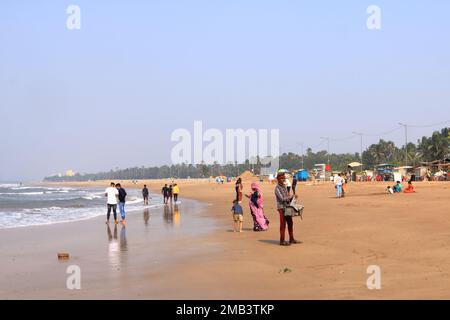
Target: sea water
(29,205)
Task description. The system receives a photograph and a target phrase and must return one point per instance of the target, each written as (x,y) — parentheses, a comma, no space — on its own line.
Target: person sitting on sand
(111,193)
(283,200)
(409,188)
(398,187)
(260,222)
(145,194)
(390,190)
(175,191)
(238,216)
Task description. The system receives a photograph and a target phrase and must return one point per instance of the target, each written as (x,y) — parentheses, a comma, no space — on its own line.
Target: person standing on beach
(122,196)
(165,193)
(260,222)
(176,191)
(111,193)
(239,187)
(294,184)
(145,194)
(170,193)
(339,181)
(288,185)
(238,216)
(283,200)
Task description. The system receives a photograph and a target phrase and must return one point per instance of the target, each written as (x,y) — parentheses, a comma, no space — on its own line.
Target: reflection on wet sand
(123,239)
(172,215)
(168,214)
(146,216)
(176,216)
(116,247)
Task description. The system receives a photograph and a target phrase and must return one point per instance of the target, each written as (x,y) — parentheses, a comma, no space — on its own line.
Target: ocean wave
(135,201)
(25,188)
(8,185)
(25,193)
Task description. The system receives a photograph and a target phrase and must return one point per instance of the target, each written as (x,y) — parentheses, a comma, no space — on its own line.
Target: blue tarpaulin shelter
(302,175)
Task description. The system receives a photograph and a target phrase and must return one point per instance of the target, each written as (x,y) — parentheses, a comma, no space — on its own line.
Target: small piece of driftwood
(63,255)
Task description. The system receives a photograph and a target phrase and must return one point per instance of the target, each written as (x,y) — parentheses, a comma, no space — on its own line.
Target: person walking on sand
(238,216)
(284,199)
(260,222)
(338,181)
(122,195)
(145,194)
(175,191)
(111,193)
(165,193)
(239,187)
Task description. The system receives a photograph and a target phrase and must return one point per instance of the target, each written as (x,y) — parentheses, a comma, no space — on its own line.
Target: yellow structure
(70,173)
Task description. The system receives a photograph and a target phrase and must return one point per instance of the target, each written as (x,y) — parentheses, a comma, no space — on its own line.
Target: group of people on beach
(260,222)
(116,195)
(170,193)
(340,183)
(398,188)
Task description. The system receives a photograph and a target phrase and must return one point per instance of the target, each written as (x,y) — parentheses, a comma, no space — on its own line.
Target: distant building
(70,173)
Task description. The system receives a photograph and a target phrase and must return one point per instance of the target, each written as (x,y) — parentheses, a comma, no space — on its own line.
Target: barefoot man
(112,193)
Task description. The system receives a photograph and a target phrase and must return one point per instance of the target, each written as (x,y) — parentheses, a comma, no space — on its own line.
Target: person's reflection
(146,216)
(111,237)
(123,238)
(176,216)
(168,214)
(113,246)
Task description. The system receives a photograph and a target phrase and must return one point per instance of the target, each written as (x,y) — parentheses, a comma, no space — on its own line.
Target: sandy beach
(193,253)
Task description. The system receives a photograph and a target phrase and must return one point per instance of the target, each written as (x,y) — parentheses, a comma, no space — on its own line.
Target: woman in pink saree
(260,222)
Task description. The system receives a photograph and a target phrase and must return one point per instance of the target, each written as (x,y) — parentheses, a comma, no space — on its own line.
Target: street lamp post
(361,155)
(328,151)
(303,162)
(406,141)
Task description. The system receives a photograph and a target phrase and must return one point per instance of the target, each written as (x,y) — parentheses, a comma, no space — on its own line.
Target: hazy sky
(110,94)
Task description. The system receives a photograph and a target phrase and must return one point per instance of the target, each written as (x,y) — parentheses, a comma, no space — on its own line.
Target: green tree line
(427,149)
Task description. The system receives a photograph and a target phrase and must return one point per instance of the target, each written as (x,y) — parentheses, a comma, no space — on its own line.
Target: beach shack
(385,172)
(320,172)
(405,173)
(352,168)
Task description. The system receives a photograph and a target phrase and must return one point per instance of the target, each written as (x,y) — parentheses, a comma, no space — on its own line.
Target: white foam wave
(25,193)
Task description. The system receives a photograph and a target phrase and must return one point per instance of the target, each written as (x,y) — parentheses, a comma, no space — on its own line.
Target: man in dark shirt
(294,184)
(165,193)
(170,193)
(122,196)
(145,194)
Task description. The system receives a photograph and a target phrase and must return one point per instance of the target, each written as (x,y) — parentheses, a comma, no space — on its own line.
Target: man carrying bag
(284,206)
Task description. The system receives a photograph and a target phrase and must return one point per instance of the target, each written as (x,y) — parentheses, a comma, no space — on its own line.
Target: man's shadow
(274,242)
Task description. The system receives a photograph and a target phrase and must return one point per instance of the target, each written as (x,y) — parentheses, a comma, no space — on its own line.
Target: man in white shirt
(339,181)
(112,193)
(287,183)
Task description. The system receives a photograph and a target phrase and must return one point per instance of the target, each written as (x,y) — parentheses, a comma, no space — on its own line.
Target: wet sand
(114,259)
(406,235)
